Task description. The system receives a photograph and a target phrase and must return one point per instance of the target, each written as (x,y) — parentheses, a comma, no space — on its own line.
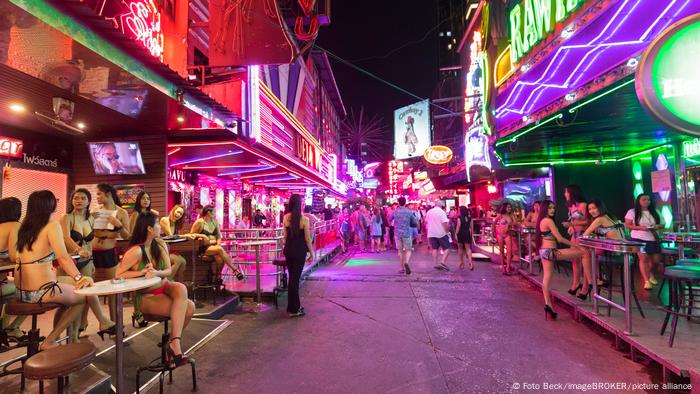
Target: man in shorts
(437,227)
(404,221)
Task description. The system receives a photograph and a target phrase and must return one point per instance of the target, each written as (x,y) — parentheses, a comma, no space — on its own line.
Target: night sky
(361,29)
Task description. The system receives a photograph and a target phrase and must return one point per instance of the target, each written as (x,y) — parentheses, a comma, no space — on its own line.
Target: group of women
(53,259)
(585,218)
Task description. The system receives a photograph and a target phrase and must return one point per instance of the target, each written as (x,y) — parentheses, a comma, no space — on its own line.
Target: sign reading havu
(531,20)
(11,147)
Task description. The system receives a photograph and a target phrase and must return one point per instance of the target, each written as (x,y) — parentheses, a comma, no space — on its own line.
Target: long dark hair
(602,209)
(137,204)
(87,194)
(463,214)
(10,209)
(575,195)
(180,222)
(109,189)
(138,236)
(504,208)
(295,210)
(638,209)
(544,208)
(41,204)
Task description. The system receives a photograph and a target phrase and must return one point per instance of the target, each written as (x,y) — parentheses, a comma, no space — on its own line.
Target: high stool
(680,277)
(160,364)
(59,362)
(687,261)
(611,262)
(282,285)
(18,308)
(210,285)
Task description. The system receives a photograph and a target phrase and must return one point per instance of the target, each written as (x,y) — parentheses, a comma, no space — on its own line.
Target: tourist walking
(404,221)
(437,227)
(464,238)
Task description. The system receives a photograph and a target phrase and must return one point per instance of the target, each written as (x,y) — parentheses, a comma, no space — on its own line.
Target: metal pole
(529,253)
(594,275)
(520,248)
(628,294)
(194,270)
(119,342)
(258,293)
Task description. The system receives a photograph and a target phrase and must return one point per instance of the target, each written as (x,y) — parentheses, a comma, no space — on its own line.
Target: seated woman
(604,225)
(39,244)
(142,204)
(10,212)
(171,225)
(208,226)
(148,256)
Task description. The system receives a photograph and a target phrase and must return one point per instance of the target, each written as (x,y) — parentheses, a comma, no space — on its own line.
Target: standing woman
(297,249)
(104,252)
(576,225)
(644,223)
(142,204)
(464,238)
(78,234)
(208,226)
(148,257)
(546,237)
(40,243)
(504,222)
(10,212)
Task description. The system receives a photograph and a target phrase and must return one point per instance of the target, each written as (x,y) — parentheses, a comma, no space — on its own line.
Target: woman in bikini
(604,225)
(208,226)
(40,243)
(10,212)
(503,223)
(148,257)
(142,204)
(576,224)
(172,225)
(546,237)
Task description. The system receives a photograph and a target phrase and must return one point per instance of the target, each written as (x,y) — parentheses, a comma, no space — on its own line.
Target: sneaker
(444,266)
(408,269)
(653,281)
(648,285)
(439,267)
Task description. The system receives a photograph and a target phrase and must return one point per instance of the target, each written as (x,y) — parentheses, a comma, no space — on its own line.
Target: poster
(412,130)
(127,194)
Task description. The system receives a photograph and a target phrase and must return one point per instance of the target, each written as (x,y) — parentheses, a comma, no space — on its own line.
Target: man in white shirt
(437,227)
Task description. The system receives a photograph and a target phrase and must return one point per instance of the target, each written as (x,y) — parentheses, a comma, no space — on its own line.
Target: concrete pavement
(371,330)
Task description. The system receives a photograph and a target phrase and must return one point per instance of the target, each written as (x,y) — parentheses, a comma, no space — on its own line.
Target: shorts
(650,247)
(549,254)
(362,234)
(414,232)
(437,243)
(346,236)
(377,237)
(404,243)
(105,258)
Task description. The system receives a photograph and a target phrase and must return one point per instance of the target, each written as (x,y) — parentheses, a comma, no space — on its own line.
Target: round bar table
(257,244)
(106,287)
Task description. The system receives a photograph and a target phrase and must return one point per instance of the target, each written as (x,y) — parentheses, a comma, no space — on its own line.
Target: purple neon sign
(620,33)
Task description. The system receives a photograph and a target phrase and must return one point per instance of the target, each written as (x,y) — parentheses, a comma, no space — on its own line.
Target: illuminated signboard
(667,81)
(369,170)
(11,147)
(395,168)
(476,150)
(307,152)
(408,182)
(474,83)
(352,170)
(531,20)
(438,154)
(136,19)
(412,130)
(691,148)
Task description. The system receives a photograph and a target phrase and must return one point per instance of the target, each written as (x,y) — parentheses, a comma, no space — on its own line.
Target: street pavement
(369,329)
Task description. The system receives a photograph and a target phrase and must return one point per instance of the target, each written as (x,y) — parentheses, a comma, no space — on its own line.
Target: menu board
(319,197)
(127,194)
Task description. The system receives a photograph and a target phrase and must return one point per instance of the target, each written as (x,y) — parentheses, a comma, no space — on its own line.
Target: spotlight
(17,108)
(81,125)
(180,119)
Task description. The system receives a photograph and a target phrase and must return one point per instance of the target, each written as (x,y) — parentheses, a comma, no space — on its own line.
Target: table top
(175,240)
(257,243)
(106,287)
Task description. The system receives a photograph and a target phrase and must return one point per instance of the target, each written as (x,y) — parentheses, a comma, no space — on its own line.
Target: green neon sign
(667,81)
(691,148)
(531,20)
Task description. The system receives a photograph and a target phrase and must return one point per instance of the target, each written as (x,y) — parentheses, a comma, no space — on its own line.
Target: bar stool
(688,261)
(210,285)
(18,308)
(282,285)
(59,362)
(680,277)
(612,262)
(160,364)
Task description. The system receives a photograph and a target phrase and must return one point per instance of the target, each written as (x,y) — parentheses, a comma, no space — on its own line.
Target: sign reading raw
(438,154)
(412,130)
(667,81)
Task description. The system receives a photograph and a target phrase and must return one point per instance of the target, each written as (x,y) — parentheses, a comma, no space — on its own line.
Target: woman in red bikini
(148,256)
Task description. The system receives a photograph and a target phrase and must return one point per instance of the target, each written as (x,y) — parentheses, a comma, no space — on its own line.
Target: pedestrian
(385,228)
(503,224)
(464,238)
(644,223)
(345,229)
(376,230)
(437,227)
(362,227)
(297,249)
(259,219)
(394,207)
(404,221)
(328,213)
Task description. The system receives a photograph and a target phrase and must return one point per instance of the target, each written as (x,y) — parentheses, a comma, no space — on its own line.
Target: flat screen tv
(116,158)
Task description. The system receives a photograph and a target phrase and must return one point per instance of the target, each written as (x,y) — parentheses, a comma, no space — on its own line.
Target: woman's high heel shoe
(137,318)
(109,331)
(239,275)
(582,296)
(177,360)
(574,291)
(549,313)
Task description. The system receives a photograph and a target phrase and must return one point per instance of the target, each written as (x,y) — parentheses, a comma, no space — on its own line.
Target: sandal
(177,360)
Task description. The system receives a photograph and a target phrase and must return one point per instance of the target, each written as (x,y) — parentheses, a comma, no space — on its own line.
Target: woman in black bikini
(208,226)
(104,253)
(40,244)
(148,256)
(78,234)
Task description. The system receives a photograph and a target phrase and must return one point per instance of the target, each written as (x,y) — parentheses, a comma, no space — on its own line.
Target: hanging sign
(667,81)
(438,154)
(11,147)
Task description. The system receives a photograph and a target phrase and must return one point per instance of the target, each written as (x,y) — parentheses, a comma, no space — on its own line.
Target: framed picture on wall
(127,194)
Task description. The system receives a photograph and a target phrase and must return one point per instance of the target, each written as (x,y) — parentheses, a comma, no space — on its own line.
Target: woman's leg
(172,303)
(509,251)
(574,273)
(460,254)
(104,274)
(587,272)
(296,265)
(66,296)
(468,252)
(654,261)
(177,263)
(501,248)
(643,266)
(546,281)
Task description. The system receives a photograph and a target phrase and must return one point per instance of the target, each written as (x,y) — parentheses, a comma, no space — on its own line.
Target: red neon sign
(136,19)
(10,147)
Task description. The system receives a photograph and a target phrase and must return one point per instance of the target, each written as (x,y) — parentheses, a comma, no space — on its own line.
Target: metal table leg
(258,291)
(594,275)
(119,343)
(529,253)
(628,294)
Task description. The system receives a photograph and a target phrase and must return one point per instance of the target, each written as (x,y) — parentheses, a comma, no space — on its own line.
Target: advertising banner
(412,130)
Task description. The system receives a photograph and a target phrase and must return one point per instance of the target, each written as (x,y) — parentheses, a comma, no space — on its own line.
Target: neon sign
(352,170)
(531,20)
(11,147)
(691,148)
(667,83)
(307,152)
(142,23)
(438,154)
(395,168)
(474,83)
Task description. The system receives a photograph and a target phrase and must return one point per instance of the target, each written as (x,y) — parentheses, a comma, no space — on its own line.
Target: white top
(106,287)
(645,221)
(434,220)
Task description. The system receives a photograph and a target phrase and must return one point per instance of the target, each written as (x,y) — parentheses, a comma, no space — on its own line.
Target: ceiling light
(180,119)
(17,107)
(81,125)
